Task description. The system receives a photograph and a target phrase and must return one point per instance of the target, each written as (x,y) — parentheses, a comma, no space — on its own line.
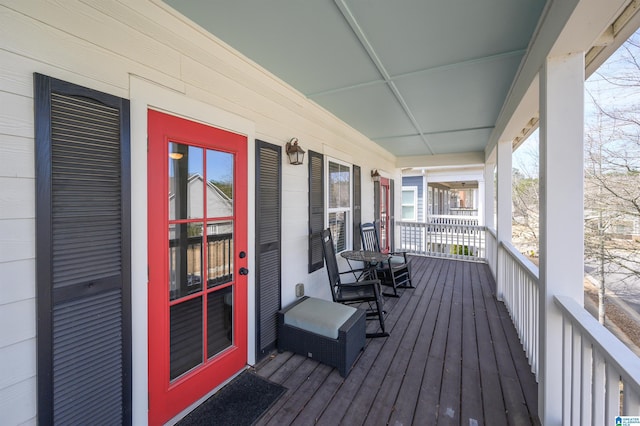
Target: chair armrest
(366,283)
(351,271)
(402,253)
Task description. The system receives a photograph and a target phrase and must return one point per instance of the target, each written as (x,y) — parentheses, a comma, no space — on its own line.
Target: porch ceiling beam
(436,132)
(442,160)
(446,67)
(355,26)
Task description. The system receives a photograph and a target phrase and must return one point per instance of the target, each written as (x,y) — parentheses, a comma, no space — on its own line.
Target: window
(339,203)
(410,203)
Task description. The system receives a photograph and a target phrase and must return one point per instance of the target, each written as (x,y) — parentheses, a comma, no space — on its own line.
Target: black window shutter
(83,254)
(357,210)
(316,210)
(268,248)
(392,221)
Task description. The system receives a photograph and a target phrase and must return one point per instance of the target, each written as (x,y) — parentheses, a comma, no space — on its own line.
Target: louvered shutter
(316,210)
(268,247)
(83,255)
(357,209)
(392,221)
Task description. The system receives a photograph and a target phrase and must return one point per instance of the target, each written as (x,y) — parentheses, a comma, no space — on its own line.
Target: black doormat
(241,402)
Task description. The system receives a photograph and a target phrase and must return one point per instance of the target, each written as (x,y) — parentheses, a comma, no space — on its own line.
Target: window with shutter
(339,211)
(83,254)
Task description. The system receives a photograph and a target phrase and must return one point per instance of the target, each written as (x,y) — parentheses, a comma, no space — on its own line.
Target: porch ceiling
(418,78)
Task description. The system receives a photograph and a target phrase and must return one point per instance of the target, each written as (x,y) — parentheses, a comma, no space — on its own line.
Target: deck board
(452,357)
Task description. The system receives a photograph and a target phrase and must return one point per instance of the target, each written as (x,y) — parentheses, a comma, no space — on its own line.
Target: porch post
(561,216)
(478,201)
(503,225)
(489,196)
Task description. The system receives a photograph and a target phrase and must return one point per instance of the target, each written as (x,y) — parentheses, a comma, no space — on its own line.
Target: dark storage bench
(331,333)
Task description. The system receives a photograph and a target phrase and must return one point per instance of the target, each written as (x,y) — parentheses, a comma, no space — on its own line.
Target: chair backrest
(329,252)
(369,234)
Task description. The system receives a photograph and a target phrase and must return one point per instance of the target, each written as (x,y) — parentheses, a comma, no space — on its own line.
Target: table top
(365,256)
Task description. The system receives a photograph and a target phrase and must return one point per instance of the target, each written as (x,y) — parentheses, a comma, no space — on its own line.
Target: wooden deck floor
(452,358)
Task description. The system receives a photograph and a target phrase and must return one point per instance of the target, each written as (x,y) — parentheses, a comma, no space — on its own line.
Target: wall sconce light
(294,151)
(375,176)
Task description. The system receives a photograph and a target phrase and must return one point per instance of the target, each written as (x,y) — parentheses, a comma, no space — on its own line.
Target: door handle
(243,271)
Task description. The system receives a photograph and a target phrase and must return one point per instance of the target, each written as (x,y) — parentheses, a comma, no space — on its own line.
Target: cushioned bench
(331,333)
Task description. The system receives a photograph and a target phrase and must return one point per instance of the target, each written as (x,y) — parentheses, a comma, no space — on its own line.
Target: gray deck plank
(494,410)
(389,367)
(389,394)
(429,396)
(471,410)
(407,398)
(452,358)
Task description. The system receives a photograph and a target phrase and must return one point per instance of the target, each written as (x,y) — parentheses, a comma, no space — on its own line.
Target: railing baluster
(586,380)
(598,390)
(631,400)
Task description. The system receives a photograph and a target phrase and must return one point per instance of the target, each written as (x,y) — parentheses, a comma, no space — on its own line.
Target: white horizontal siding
(103,45)
(18,403)
(16,157)
(17,240)
(19,321)
(16,281)
(16,199)
(18,363)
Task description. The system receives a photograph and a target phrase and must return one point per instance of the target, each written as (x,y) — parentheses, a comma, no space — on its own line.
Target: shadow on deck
(453,357)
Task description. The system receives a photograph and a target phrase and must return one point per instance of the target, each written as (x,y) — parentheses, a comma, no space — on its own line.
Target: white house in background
(94,95)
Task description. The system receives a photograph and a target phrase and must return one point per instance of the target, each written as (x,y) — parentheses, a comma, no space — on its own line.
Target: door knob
(243,271)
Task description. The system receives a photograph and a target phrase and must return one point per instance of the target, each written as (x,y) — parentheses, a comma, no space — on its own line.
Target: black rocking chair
(396,271)
(352,293)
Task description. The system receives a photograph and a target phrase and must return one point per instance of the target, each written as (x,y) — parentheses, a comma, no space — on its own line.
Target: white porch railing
(449,237)
(601,375)
(519,288)
(491,252)
(452,219)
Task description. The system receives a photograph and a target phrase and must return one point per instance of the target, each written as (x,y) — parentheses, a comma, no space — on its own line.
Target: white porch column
(503,225)
(479,200)
(488,198)
(561,216)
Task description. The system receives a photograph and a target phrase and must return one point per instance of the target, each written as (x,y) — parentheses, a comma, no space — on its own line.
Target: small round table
(370,259)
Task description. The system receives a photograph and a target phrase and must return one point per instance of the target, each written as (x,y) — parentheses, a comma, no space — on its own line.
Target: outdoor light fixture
(294,151)
(375,176)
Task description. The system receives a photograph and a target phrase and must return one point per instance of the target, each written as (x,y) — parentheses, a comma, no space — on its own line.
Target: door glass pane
(185,259)
(185,182)
(186,336)
(219,320)
(219,184)
(219,253)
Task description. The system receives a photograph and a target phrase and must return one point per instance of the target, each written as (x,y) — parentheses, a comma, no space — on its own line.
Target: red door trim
(168,399)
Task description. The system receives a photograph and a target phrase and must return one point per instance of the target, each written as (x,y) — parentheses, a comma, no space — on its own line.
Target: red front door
(384,214)
(197,203)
